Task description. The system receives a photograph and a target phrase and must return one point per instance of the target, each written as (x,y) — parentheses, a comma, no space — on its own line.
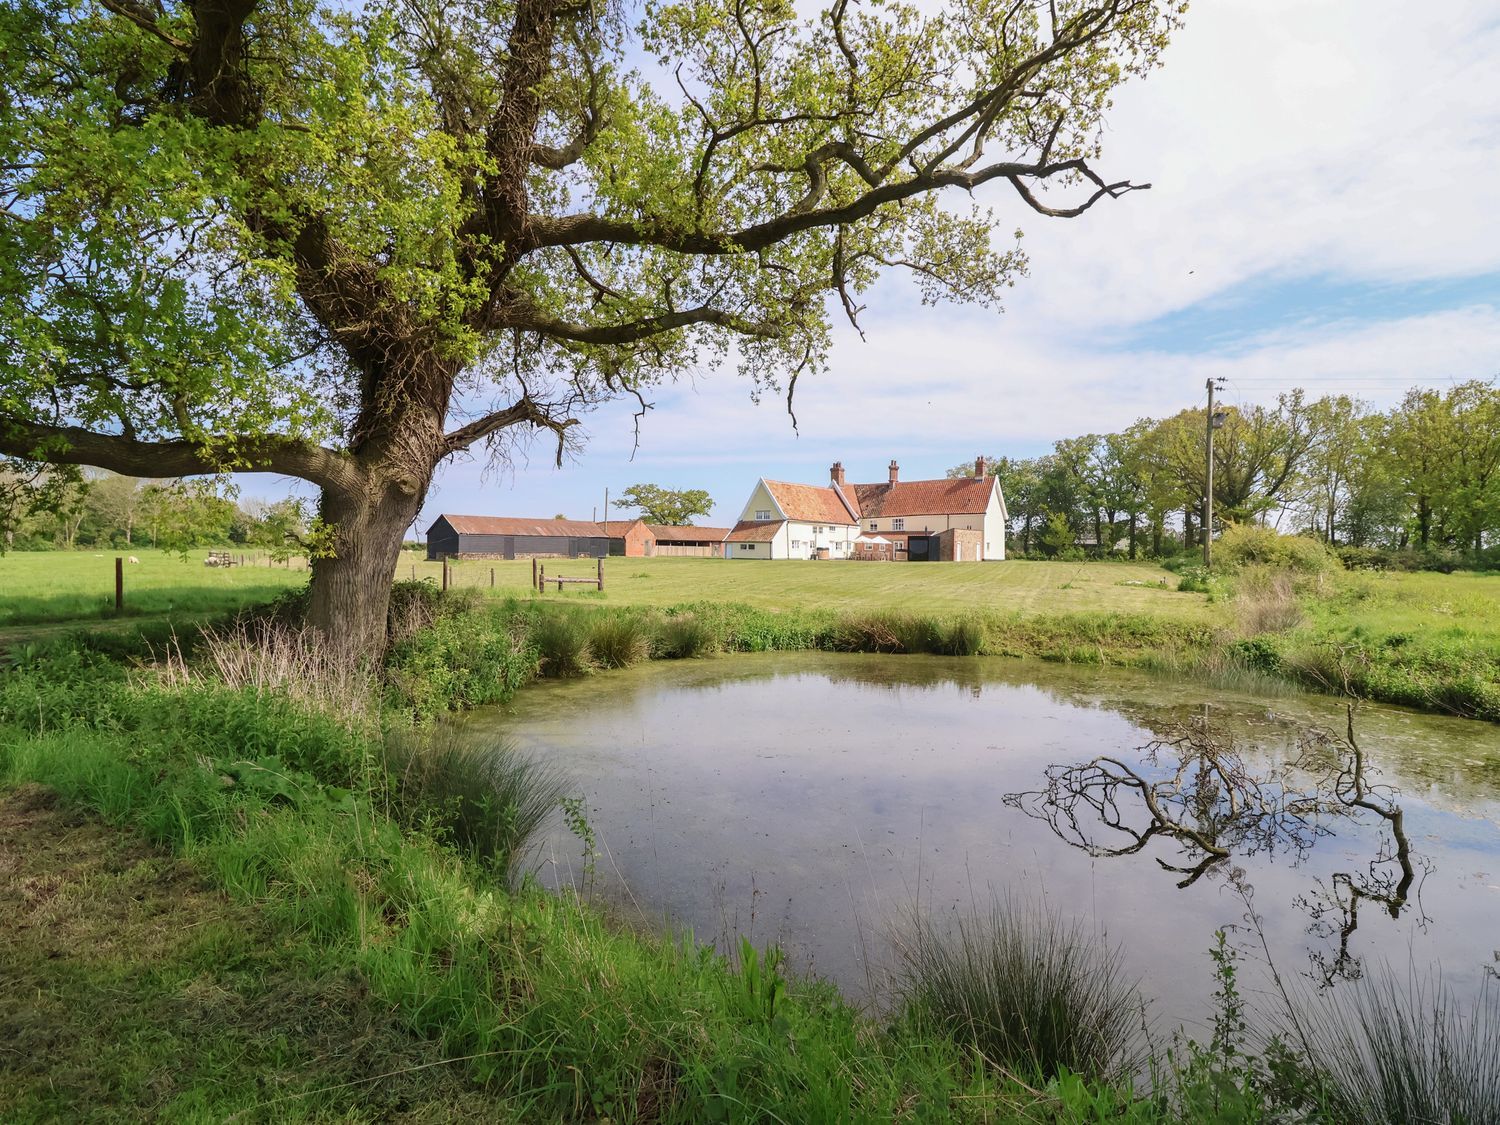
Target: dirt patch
(131,989)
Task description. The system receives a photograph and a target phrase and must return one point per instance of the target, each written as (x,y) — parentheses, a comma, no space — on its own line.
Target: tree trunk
(1132,536)
(351,588)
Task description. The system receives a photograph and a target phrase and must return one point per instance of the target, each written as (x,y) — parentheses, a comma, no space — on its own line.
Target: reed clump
(619,640)
(561,641)
(1032,992)
(483,796)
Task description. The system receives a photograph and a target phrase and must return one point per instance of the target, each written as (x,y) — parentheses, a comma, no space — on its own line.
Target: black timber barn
(505,537)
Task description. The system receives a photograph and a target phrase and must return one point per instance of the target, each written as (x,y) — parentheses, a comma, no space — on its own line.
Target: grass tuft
(562,642)
(683,636)
(1386,1050)
(619,640)
(1034,994)
(485,798)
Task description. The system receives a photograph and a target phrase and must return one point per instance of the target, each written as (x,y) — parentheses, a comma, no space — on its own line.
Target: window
(747,546)
(898,525)
(874,526)
(762,513)
(796,542)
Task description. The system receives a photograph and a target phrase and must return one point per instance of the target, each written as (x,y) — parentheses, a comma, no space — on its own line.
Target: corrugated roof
(811,503)
(686,533)
(963,496)
(619,527)
(511,525)
(753,531)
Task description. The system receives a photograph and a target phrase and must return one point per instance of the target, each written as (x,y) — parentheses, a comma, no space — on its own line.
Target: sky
(1325,213)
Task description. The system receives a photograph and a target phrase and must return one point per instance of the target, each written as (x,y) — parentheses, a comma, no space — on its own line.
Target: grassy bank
(1425,640)
(320,864)
(288,815)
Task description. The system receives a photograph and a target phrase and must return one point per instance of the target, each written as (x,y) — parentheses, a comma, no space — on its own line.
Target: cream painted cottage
(951,520)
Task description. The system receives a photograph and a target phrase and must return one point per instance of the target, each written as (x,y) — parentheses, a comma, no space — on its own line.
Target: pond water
(817,800)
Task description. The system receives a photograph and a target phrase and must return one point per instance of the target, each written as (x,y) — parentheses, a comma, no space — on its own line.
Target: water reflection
(812,799)
(1193,787)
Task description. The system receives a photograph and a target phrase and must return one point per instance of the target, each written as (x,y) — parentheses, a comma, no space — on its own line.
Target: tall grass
(1033,993)
(685,635)
(486,798)
(1381,1049)
(271,658)
(618,640)
(1266,601)
(561,640)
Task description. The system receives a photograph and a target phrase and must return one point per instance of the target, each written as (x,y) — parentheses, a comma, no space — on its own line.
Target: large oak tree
(347,242)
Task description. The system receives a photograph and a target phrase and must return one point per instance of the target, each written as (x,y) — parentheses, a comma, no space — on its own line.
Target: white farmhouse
(950,520)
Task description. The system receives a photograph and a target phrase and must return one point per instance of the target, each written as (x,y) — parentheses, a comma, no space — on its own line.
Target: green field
(72,586)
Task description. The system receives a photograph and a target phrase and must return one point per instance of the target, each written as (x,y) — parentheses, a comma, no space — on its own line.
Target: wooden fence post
(601,572)
(119,584)
(535,583)
(492,578)
(541,577)
(445,574)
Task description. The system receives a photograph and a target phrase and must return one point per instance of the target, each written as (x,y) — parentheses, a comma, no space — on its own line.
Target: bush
(1030,992)
(619,640)
(964,637)
(1266,601)
(1247,544)
(459,661)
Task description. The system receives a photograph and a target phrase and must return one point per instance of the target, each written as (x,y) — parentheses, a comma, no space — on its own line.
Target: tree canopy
(667,505)
(346,243)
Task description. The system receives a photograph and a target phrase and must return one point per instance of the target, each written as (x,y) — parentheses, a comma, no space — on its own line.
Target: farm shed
(506,537)
(690,542)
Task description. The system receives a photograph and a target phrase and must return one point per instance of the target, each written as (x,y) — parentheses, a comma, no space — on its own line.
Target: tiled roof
(811,503)
(670,533)
(963,496)
(755,531)
(508,525)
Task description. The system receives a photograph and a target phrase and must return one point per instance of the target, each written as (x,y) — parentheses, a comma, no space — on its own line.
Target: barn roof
(511,525)
(684,533)
(617,528)
(812,503)
(755,531)
(961,496)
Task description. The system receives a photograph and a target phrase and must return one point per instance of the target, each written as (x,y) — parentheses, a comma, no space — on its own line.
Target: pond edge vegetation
(337,801)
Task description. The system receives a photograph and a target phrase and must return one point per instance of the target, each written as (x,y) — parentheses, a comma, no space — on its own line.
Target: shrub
(1258,653)
(1249,544)
(485,798)
(561,640)
(619,640)
(684,635)
(459,661)
(1032,993)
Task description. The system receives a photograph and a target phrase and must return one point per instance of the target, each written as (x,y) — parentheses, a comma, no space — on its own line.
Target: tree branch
(526,410)
(270,453)
(632,331)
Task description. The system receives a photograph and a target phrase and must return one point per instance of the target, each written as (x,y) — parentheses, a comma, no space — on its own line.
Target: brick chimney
(836,474)
(980,465)
(895,472)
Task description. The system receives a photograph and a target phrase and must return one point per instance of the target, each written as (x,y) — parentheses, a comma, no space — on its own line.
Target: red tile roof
(962,496)
(509,525)
(671,533)
(811,503)
(755,531)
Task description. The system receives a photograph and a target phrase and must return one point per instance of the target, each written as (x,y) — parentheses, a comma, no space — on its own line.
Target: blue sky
(1324,214)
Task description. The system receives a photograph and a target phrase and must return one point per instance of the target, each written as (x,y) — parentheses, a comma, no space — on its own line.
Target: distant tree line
(1424,475)
(103,509)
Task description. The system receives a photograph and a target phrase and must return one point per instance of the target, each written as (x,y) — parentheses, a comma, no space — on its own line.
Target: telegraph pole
(1213,421)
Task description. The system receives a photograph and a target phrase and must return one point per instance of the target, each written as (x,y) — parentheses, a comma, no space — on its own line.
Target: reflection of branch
(1377,883)
(1206,800)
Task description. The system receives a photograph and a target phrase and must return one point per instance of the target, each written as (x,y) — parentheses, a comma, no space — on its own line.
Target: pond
(818,800)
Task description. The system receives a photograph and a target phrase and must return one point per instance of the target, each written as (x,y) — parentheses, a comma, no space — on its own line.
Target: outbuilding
(507,537)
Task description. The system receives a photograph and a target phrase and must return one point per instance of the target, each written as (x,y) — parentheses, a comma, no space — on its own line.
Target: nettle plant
(345,243)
